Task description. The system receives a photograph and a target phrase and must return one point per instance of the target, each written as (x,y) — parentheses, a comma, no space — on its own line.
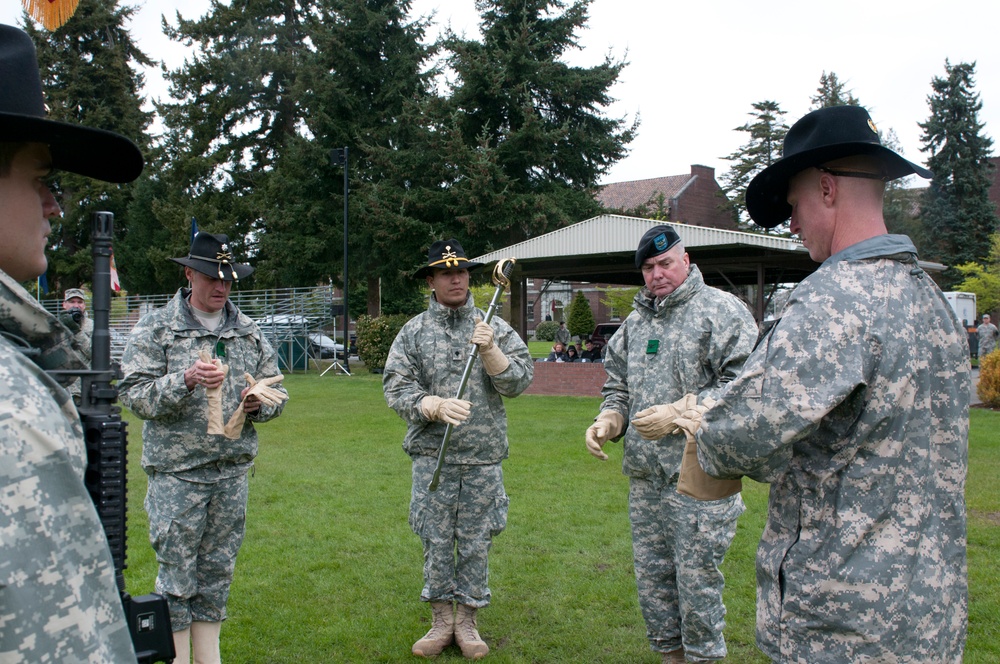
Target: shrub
(581,319)
(375,336)
(989,379)
(546,331)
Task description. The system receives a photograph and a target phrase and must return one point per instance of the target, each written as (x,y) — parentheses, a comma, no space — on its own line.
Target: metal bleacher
(286,316)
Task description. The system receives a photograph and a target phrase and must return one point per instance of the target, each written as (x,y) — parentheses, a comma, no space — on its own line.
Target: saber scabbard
(501,278)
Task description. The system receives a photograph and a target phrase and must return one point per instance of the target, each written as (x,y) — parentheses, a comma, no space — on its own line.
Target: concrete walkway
(974,382)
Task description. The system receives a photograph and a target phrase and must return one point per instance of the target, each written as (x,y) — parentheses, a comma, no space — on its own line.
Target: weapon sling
(501,277)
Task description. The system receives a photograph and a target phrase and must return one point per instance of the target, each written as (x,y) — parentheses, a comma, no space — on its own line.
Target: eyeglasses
(853,174)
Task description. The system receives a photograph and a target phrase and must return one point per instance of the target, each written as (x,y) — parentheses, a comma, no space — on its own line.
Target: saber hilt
(501,278)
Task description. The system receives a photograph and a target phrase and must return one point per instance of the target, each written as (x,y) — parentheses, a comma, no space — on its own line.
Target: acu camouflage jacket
(161,347)
(855,407)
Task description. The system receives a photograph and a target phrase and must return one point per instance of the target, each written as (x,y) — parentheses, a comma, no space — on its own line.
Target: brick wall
(574,379)
(699,202)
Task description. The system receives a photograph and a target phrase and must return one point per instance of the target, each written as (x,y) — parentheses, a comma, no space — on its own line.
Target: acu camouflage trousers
(456,525)
(678,544)
(196,529)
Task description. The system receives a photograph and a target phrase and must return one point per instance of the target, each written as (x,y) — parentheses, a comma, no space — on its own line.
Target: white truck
(964,306)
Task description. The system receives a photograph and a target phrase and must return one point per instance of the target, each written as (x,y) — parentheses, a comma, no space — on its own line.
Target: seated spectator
(571,354)
(591,353)
(558,353)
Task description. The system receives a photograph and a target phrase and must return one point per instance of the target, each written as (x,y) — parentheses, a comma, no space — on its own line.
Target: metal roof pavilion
(602,250)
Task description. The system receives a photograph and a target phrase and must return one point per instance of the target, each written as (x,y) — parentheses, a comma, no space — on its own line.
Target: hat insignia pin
(450,257)
(871,125)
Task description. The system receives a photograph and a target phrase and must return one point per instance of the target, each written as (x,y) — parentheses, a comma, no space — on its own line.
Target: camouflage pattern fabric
(58,597)
(678,544)
(161,347)
(691,342)
(428,357)
(988,334)
(856,408)
(52,346)
(457,524)
(178,452)
(84,341)
(196,529)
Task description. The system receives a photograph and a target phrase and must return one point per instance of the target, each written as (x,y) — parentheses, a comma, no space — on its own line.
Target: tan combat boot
(441,633)
(674,657)
(466,634)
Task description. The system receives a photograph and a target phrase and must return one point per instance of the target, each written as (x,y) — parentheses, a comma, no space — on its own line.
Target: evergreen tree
(581,318)
(90,76)
(956,210)
(522,133)
(767,135)
(831,93)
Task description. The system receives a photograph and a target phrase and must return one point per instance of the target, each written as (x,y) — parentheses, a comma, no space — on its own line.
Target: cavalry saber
(501,277)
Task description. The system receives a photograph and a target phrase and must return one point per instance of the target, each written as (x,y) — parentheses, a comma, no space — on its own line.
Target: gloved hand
(690,420)
(72,319)
(494,361)
(450,411)
(263,391)
(657,421)
(607,425)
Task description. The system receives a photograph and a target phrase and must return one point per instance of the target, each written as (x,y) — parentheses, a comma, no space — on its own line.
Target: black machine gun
(107,447)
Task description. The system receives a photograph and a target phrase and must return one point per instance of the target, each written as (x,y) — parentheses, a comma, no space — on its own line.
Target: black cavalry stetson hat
(92,152)
(445,255)
(210,254)
(824,135)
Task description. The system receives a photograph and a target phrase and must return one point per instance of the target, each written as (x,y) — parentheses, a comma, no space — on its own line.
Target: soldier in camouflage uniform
(988,334)
(683,337)
(458,521)
(77,321)
(58,597)
(855,407)
(197,494)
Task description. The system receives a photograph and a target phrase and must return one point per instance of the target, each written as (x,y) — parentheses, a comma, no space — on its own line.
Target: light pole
(338,157)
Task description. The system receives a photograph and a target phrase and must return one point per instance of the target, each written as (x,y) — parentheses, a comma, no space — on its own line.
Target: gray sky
(697,67)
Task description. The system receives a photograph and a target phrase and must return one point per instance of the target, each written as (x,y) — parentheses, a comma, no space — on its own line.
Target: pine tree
(767,135)
(956,210)
(831,93)
(90,76)
(522,129)
(581,318)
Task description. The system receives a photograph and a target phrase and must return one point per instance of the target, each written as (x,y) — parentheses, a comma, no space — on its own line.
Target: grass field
(330,571)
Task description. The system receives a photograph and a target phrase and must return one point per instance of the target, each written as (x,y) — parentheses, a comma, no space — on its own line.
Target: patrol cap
(74,292)
(655,241)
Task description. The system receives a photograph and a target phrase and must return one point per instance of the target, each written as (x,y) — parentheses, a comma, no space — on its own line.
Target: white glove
(450,411)
(494,361)
(607,425)
(657,421)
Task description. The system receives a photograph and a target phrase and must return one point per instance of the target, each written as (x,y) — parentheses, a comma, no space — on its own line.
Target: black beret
(654,242)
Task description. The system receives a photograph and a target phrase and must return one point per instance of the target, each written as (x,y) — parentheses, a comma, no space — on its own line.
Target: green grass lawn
(330,571)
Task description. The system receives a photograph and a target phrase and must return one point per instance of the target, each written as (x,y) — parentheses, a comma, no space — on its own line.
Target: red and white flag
(116,285)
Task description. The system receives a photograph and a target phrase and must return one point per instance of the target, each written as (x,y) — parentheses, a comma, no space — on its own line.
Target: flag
(116,285)
(43,284)
(194,228)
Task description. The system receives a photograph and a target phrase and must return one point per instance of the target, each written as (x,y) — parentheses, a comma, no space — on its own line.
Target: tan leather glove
(693,480)
(214,394)
(607,425)
(265,394)
(657,421)
(450,411)
(494,361)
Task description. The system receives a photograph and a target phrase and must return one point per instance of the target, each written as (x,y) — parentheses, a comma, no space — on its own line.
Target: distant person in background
(558,353)
(988,334)
(76,320)
(571,354)
(590,353)
(562,334)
